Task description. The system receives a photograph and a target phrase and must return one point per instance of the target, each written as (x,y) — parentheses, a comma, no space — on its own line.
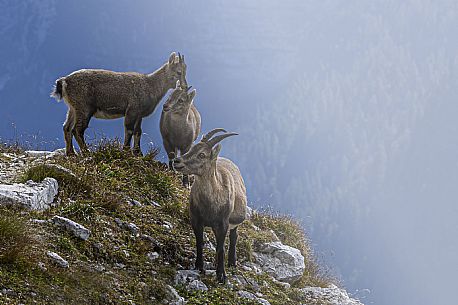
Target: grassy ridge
(113,267)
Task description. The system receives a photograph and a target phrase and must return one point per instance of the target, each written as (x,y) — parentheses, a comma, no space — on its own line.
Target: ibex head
(199,159)
(180,100)
(176,69)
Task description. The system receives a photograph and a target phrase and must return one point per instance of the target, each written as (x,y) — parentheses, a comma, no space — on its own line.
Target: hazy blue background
(347,110)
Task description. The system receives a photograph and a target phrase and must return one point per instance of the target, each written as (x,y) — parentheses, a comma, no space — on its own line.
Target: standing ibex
(180,124)
(110,95)
(218,197)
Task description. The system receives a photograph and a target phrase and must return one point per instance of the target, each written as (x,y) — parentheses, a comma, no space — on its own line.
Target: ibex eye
(201,155)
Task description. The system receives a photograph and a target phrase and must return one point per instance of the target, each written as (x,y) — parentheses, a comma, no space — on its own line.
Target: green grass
(112,266)
(14,235)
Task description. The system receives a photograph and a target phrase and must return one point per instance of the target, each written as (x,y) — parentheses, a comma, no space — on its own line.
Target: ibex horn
(219,138)
(210,134)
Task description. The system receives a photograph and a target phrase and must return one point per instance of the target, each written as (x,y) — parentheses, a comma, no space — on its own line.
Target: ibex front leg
(220,234)
(198,229)
(171,152)
(69,125)
(137,135)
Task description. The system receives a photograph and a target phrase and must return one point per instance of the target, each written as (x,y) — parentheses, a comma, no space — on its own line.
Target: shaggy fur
(218,197)
(110,95)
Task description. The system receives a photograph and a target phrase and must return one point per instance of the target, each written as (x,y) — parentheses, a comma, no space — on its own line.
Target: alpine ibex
(218,197)
(110,95)
(180,124)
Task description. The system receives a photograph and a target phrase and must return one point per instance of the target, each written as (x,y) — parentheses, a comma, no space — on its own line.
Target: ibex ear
(215,152)
(172,57)
(192,94)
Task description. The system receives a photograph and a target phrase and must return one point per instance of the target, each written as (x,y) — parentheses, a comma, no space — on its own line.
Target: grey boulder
(332,295)
(282,262)
(71,226)
(251,296)
(57,259)
(31,195)
(190,279)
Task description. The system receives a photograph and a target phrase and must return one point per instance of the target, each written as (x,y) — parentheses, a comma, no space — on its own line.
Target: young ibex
(110,95)
(218,197)
(180,124)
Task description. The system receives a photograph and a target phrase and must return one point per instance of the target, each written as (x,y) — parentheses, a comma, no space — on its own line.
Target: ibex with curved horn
(110,95)
(218,197)
(180,123)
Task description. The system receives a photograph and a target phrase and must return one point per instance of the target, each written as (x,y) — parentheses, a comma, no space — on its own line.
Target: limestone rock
(282,262)
(332,295)
(37,153)
(248,295)
(32,195)
(190,279)
(173,298)
(57,259)
(152,256)
(44,153)
(184,276)
(197,285)
(71,226)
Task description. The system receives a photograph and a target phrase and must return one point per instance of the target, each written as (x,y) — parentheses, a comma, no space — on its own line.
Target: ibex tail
(57,90)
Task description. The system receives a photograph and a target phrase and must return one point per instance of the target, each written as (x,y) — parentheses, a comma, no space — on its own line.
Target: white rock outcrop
(284,263)
(57,259)
(32,195)
(71,226)
(331,295)
(152,256)
(190,279)
(45,154)
(172,296)
(251,296)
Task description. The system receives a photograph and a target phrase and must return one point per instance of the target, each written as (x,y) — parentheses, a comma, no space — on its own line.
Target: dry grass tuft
(14,235)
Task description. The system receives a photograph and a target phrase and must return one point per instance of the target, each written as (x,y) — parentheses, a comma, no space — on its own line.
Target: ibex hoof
(138,153)
(70,153)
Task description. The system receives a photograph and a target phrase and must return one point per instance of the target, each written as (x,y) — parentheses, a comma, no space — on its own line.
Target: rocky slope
(110,228)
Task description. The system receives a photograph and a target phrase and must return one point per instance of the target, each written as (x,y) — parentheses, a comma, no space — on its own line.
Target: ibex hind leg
(232,258)
(129,128)
(82,122)
(69,125)
(220,232)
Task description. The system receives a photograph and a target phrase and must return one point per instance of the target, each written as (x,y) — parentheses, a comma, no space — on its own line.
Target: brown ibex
(218,197)
(110,95)
(180,124)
